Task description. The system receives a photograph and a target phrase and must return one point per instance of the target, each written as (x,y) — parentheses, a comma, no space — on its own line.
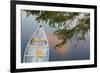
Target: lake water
(74,50)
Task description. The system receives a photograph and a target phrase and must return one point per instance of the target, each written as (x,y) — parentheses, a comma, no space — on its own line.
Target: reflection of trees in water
(68,24)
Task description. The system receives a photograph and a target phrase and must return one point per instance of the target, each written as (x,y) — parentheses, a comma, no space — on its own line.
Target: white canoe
(37,49)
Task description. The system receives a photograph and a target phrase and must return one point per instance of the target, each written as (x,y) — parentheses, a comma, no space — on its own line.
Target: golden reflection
(63,50)
(39,53)
(53,40)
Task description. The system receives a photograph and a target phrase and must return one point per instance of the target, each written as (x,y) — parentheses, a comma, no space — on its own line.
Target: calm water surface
(74,50)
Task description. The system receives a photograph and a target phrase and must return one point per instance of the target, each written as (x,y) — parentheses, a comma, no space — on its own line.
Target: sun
(39,53)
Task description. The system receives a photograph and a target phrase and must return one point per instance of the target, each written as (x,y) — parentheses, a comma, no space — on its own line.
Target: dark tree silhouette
(63,21)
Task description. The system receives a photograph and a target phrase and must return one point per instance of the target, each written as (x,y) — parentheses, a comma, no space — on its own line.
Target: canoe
(37,49)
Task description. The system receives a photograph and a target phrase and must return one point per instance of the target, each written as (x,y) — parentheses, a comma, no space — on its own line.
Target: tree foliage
(63,22)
